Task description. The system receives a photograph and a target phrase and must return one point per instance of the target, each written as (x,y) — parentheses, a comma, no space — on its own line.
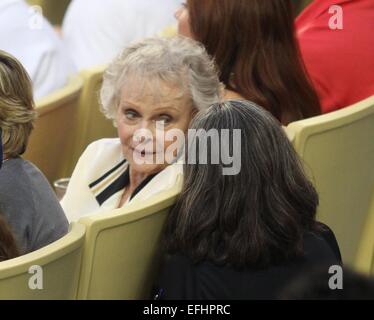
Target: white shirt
(31,39)
(97,183)
(95,31)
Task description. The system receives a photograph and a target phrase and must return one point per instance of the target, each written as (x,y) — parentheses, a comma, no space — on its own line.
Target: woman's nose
(146,125)
(145,129)
(141,136)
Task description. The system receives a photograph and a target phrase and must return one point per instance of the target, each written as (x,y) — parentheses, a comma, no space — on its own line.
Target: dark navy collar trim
(119,184)
(106,174)
(122,181)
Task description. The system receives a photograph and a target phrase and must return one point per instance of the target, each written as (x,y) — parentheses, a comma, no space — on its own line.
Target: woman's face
(140,120)
(183,19)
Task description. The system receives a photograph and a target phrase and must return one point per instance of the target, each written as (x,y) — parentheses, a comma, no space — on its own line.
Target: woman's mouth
(142,152)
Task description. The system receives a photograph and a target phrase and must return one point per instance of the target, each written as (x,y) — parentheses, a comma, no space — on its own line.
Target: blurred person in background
(254,45)
(28,36)
(337,45)
(95,31)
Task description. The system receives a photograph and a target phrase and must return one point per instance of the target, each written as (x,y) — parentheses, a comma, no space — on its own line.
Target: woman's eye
(164,119)
(131,115)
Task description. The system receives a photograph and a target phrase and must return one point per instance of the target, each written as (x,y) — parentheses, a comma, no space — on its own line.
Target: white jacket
(98,180)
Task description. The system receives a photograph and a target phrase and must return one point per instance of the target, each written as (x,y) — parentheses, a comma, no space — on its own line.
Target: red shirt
(339,62)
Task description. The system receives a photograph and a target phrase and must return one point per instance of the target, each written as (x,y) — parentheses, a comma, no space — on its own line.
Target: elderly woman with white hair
(155,83)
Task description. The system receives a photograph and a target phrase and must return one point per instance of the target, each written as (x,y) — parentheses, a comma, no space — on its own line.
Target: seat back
(338,152)
(51,142)
(56,276)
(121,256)
(365,257)
(91,123)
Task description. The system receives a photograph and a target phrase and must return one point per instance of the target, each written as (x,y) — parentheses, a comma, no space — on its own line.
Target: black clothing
(181,279)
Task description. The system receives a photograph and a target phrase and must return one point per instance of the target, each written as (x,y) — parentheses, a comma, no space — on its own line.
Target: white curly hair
(176,61)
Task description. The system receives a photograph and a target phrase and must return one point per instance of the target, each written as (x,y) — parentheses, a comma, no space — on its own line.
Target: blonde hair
(17,111)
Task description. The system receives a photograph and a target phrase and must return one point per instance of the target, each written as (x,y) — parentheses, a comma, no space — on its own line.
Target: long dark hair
(8,246)
(254,45)
(256,218)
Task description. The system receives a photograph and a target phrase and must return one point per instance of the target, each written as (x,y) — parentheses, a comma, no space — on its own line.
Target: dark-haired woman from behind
(254,45)
(243,236)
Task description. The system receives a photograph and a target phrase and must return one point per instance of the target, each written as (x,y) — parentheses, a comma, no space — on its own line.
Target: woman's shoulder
(16,172)
(104,145)
(36,217)
(19,176)
(103,151)
(24,177)
(322,246)
(102,159)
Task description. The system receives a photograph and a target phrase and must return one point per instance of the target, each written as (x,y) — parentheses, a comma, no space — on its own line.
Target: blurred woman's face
(141,116)
(183,19)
